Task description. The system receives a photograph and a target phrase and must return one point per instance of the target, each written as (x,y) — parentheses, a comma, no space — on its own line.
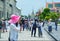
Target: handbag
(9,39)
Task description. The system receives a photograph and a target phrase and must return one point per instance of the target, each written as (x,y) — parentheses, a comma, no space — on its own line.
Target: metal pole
(46,1)
(53,3)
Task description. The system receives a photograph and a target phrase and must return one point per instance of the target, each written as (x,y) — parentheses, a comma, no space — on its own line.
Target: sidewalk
(54,34)
(26,35)
(5,35)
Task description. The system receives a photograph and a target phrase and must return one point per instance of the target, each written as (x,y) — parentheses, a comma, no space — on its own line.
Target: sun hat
(14,19)
(50,19)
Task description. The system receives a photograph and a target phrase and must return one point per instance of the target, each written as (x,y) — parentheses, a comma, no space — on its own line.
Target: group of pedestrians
(16,25)
(36,24)
(50,25)
(32,25)
(3,25)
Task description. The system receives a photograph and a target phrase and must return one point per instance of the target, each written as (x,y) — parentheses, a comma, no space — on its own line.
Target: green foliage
(54,15)
(41,17)
(46,10)
(22,15)
(26,17)
(58,15)
(29,16)
(46,15)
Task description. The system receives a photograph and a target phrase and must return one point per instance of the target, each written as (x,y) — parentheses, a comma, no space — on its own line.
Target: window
(0,14)
(10,5)
(57,5)
(2,0)
(50,5)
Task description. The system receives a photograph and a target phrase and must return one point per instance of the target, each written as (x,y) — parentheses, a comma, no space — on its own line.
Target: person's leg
(38,33)
(6,29)
(30,28)
(23,27)
(41,34)
(56,28)
(3,29)
(34,32)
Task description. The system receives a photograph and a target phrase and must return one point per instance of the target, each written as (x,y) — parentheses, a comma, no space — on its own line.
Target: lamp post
(46,1)
(53,3)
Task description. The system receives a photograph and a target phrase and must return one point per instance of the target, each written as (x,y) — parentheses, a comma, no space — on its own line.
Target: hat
(50,19)
(14,19)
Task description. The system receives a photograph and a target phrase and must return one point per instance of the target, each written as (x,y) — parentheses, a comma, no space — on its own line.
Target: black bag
(34,25)
(0,24)
(9,39)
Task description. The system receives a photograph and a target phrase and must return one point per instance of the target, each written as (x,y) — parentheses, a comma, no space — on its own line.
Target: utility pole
(53,3)
(46,1)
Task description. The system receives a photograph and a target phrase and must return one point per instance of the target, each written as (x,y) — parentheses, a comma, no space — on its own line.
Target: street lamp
(45,2)
(53,3)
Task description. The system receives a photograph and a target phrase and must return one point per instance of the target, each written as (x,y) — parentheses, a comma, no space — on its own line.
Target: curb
(51,35)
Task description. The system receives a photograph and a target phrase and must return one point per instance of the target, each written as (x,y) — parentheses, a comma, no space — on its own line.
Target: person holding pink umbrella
(14,27)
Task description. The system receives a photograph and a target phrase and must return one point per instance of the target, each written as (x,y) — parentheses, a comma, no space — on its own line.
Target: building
(54,6)
(7,8)
(18,11)
(1,8)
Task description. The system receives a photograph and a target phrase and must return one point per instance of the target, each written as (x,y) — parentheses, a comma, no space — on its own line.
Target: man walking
(34,29)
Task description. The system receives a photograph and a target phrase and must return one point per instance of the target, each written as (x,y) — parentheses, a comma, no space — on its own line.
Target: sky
(27,6)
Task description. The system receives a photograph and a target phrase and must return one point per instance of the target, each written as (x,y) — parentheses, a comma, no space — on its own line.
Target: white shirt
(14,31)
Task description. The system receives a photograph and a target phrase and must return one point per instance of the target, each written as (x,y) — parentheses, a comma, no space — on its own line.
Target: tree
(54,16)
(58,15)
(22,15)
(45,14)
(47,17)
(26,17)
(46,10)
(41,17)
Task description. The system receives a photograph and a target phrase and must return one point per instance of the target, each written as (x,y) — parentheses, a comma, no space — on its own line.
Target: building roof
(53,2)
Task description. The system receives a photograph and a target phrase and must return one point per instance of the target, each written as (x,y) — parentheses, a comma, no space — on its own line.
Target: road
(26,35)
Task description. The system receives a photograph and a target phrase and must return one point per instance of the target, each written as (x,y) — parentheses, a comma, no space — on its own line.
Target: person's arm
(15,28)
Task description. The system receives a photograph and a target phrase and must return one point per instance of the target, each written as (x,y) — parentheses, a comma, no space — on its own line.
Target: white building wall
(18,11)
(6,8)
(1,9)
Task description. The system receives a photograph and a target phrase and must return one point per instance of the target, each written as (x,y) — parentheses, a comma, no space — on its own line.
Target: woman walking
(49,25)
(39,29)
(14,27)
